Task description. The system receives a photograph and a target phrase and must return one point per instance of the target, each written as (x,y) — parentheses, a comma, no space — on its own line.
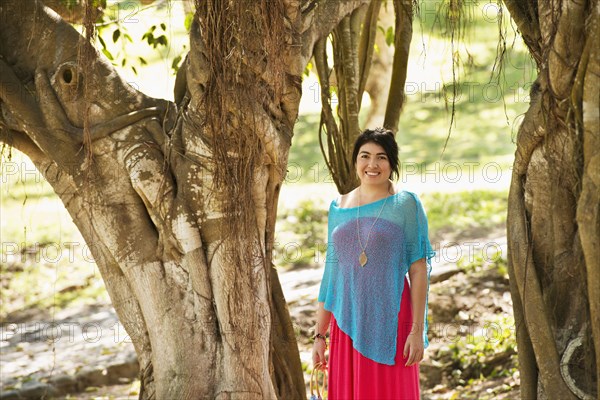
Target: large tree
(554,203)
(177,200)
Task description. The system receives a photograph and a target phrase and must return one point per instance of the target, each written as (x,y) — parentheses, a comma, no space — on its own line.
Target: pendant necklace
(362,259)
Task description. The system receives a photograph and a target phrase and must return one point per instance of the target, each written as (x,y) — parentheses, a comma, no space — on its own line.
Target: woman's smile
(372,164)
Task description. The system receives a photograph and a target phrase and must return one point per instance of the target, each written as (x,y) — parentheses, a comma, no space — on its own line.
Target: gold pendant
(362,259)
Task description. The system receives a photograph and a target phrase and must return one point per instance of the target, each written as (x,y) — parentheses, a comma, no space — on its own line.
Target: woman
(377,322)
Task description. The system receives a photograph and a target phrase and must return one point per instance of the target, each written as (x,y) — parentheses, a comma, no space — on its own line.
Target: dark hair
(384,138)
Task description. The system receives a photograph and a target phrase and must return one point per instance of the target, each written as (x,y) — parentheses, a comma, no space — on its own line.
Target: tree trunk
(554,204)
(378,82)
(143,181)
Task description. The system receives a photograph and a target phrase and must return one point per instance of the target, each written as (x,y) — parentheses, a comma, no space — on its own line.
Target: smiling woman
(377,235)
(375,156)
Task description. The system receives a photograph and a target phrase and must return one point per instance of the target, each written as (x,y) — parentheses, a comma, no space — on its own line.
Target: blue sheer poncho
(365,301)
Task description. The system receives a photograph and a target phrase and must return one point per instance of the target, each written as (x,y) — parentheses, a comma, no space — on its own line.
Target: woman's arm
(320,345)
(414,348)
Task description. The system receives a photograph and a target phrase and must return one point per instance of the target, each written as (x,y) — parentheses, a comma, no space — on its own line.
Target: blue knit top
(365,301)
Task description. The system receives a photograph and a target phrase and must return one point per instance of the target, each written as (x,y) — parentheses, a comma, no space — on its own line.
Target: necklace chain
(362,259)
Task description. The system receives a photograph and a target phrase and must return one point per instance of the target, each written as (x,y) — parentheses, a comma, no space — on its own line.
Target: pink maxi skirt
(355,377)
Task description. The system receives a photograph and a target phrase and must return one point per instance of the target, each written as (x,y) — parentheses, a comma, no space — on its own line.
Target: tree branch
(525,16)
(27,114)
(23,143)
(21,103)
(327,118)
(346,74)
(402,38)
(527,365)
(72,11)
(50,112)
(104,129)
(530,292)
(367,41)
(320,17)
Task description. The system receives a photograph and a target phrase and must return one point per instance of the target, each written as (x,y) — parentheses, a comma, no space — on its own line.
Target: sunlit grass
(468,211)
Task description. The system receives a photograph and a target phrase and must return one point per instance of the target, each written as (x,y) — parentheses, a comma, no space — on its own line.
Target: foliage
(476,355)
(122,20)
(488,111)
(308,225)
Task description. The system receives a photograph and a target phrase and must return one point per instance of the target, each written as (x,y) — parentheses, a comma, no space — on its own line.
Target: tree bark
(142,195)
(553,219)
(378,81)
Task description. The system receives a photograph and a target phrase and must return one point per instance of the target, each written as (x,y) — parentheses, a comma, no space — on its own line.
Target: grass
(465,212)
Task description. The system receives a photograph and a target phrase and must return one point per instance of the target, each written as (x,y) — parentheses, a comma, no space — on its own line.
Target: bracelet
(319,336)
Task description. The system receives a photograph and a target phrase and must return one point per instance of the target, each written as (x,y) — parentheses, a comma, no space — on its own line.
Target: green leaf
(308,69)
(123,62)
(162,39)
(163,26)
(107,54)
(389,36)
(102,42)
(175,63)
(149,38)
(189,18)
(142,61)
(134,70)
(116,35)
(128,37)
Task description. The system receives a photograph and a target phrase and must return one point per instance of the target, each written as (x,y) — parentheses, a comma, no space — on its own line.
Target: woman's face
(372,164)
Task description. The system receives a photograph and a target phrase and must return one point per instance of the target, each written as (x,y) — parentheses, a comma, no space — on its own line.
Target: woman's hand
(414,348)
(318,353)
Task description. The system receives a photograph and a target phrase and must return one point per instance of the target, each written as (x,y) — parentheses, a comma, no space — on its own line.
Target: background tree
(176,200)
(353,46)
